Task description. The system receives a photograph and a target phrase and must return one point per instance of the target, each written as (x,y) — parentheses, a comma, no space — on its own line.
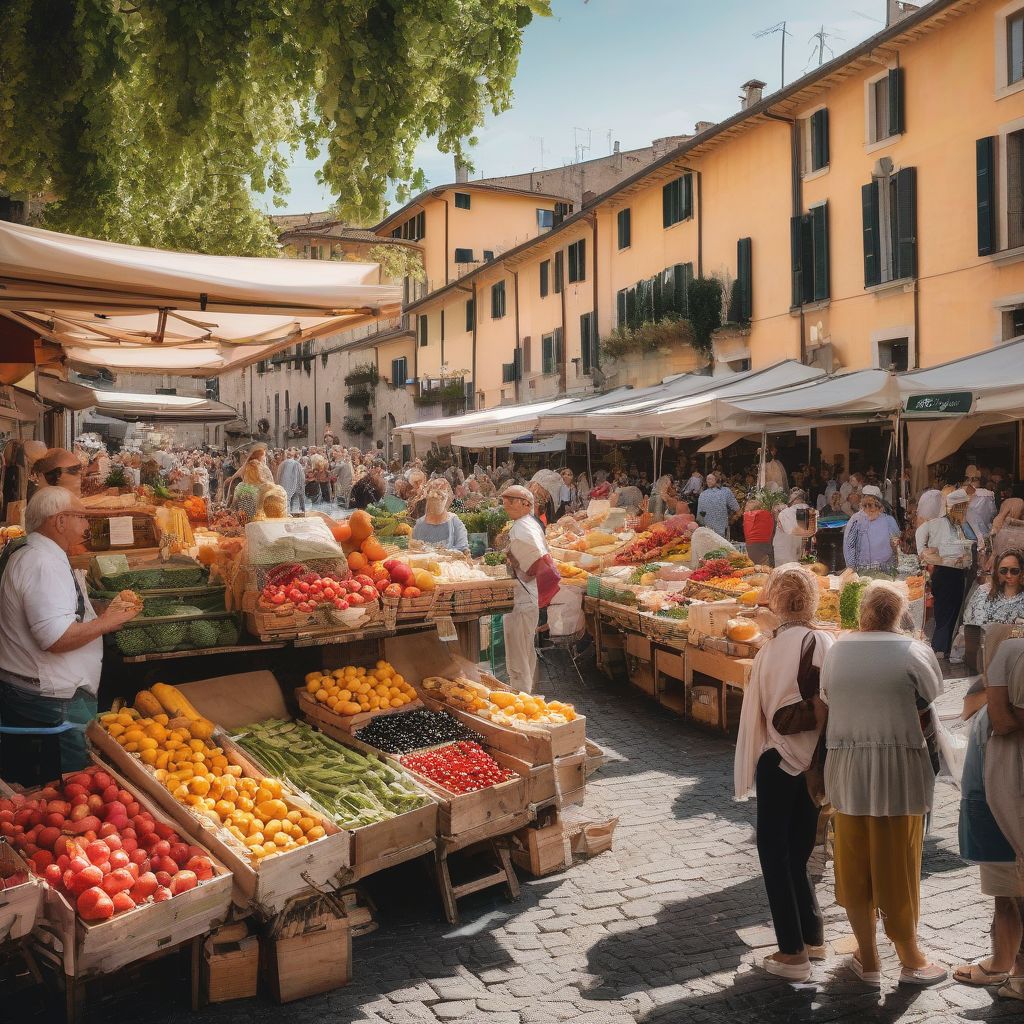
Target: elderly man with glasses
(51,647)
(57,467)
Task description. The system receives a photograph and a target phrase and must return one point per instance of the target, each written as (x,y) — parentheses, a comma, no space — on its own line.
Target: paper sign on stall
(122,532)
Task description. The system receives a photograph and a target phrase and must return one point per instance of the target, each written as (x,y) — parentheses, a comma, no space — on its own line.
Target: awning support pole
(763,459)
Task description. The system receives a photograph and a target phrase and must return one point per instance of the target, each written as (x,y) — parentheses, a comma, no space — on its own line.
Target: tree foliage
(132,112)
(705,304)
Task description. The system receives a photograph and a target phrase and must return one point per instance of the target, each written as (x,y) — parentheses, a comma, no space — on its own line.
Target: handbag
(548,578)
(800,717)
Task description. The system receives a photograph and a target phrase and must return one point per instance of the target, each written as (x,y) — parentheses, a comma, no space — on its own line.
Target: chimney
(751,93)
(461,172)
(702,126)
(588,197)
(897,10)
(616,148)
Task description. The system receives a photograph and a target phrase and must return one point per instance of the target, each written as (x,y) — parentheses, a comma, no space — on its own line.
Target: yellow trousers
(878,867)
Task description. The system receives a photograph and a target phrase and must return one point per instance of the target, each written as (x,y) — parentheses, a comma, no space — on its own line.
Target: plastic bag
(952,744)
(956,651)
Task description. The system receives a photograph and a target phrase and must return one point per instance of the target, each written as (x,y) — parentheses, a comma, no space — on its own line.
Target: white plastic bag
(952,744)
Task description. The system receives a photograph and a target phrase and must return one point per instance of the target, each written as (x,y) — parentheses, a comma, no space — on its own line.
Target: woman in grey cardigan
(879,779)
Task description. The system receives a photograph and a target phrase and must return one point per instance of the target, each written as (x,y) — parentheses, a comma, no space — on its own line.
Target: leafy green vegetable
(680,611)
(849,604)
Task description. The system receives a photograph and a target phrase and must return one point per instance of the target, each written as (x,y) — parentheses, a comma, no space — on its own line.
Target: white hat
(871,491)
(518,491)
(957,497)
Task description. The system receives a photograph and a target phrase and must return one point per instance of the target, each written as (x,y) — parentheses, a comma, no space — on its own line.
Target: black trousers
(948,589)
(787,823)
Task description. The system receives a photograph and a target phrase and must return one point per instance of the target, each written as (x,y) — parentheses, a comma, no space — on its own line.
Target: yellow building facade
(870,214)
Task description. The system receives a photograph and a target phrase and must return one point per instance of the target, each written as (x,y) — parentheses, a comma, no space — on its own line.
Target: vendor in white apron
(526,547)
(440,526)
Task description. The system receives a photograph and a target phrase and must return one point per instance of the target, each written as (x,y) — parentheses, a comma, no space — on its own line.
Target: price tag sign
(122,532)
(446,629)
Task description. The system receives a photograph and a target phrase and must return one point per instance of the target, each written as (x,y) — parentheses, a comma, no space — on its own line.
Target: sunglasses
(1007,570)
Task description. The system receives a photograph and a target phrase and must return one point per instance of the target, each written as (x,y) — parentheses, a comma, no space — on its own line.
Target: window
(423,329)
(508,373)
(559,272)
(885,106)
(741,301)
(624,221)
(245,414)
(498,300)
(889,205)
(1014,189)
(470,314)
(305,415)
(1013,324)
(894,354)
(809,255)
(327,413)
(545,267)
(677,200)
(578,261)
(562,210)
(545,219)
(261,366)
(464,256)
(1015,48)
(488,255)
(589,352)
(399,371)
(413,229)
(655,297)
(815,141)
(551,351)
(462,200)
(986,163)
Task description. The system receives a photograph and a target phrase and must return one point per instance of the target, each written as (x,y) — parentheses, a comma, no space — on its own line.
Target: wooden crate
(21,904)
(542,850)
(536,746)
(316,713)
(706,705)
(101,947)
(265,886)
(542,785)
(317,959)
(230,967)
(570,778)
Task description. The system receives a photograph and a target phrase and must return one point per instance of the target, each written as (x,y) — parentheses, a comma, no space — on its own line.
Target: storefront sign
(946,403)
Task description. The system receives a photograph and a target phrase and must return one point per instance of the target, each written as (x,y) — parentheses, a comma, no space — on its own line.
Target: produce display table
(726,673)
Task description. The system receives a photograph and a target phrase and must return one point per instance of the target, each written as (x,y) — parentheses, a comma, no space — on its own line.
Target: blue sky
(637,69)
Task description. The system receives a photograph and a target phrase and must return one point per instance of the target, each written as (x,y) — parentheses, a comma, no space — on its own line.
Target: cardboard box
(542,851)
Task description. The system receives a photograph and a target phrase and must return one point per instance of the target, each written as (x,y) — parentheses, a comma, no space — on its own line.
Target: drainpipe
(562,365)
(700,224)
(516,357)
(797,190)
(594,318)
(917,331)
(476,313)
(446,260)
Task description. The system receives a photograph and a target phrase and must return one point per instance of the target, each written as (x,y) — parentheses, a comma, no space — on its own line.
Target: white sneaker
(791,972)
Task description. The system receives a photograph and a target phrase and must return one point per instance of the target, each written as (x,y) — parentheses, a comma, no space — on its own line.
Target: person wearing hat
(871,536)
(525,554)
(949,545)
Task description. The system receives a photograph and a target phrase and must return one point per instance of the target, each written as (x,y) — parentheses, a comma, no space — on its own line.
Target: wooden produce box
(542,850)
(541,787)
(88,948)
(265,886)
(706,705)
(270,626)
(230,967)
(640,663)
(235,701)
(21,904)
(316,713)
(308,952)
(718,665)
(570,778)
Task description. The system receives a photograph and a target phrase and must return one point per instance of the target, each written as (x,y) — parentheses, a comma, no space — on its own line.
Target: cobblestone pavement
(663,928)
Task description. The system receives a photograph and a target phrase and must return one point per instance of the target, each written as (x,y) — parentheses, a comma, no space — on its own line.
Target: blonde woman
(778,757)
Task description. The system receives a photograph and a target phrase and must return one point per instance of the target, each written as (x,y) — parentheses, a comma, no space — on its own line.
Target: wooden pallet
(266,886)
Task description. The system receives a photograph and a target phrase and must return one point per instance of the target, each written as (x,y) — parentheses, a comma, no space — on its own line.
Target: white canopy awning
(720,442)
(133,308)
(503,421)
(134,408)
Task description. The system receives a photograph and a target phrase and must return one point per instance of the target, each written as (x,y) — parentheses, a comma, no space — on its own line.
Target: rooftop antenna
(820,39)
(580,148)
(781,29)
(540,139)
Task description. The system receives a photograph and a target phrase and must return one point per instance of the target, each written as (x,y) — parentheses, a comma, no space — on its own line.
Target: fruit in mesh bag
(227,633)
(202,633)
(133,641)
(167,635)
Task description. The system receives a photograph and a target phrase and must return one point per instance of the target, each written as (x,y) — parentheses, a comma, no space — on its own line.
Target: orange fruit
(361,525)
(357,561)
(373,549)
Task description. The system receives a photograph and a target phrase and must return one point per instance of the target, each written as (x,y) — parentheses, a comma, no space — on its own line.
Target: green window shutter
(620,307)
(498,300)
(559,347)
(986,158)
(547,343)
(581,260)
(819,232)
(423,330)
(470,314)
(585,342)
(559,271)
(819,139)
(906,222)
(872,249)
(687,197)
(666,205)
(896,105)
(625,228)
(544,268)
(442,325)
(517,362)
(631,306)
(795,258)
(744,270)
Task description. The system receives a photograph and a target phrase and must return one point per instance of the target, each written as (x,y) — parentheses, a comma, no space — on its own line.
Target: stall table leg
(503,874)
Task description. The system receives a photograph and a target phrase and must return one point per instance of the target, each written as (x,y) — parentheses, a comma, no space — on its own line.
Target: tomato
(393,590)
(341,604)
(369,592)
(294,594)
(278,598)
(352,586)
(411,592)
(363,580)
(304,587)
(355,600)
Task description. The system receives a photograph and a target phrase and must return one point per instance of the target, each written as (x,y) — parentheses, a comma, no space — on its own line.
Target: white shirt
(694,485)
(981,511)
(38,603)
(775,475)
(526,544)
(953,546)
(787,547)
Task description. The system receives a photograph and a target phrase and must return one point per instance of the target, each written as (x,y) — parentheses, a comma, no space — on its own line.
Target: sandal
(931,974)
(1011,990)
(979,975)
(872,978)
